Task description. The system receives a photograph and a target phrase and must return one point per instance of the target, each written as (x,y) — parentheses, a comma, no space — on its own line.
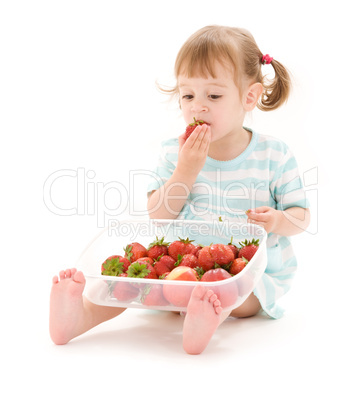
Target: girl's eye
(214,97)
(188,97)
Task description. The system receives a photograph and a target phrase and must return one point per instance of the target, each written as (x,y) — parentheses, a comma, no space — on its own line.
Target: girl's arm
(168,200)
(285,223)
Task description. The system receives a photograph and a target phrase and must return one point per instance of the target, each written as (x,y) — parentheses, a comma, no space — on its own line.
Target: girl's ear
(252,96)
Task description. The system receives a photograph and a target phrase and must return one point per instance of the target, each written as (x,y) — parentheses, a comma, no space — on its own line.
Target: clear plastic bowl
(131,292)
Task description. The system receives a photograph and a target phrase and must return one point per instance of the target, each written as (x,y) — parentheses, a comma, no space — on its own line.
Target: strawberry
(238,265)
(157,248)
(134,251)
(191,127)
(141,270)
(205,259)
(214,256)
(187,260)
(148,260)
(164,265)
(124,291)
(181,247)
(115,265)
(222,254)
(152,295)
(248,248)
(234,248)
(197,250)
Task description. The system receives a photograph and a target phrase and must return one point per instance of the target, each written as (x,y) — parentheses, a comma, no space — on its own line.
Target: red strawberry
(152,295)
(124,291)
(222,254)
(187,260)
(234,249)
(157,248)
(197,250)
(134,251)
(164,264)
(205,259)
(115,265)
(141,270)
(191,127)
(148,260)
(238,265)
(215,255)
(181,247)
(248,249)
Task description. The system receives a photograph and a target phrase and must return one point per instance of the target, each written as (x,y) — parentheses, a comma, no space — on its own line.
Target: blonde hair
(235,48)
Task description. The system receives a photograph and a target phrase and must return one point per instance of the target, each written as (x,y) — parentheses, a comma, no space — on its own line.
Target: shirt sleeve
(287,187)
(166,165)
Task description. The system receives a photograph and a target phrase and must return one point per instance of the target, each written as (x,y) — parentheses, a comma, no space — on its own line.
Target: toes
(67,274)
(55,280)
(217,303)
(198,292)
(213,298)
(218,310)
(79,277)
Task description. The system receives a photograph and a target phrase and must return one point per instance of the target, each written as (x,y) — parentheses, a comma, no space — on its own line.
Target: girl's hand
(194,150)
(266,217)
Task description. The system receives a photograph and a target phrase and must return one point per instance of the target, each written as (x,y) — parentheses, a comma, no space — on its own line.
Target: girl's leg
(71,314)
(249,308)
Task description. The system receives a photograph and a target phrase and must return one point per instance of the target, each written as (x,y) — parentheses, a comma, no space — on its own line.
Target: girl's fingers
(181,140)
(197,135)
(200,136)
(258,214)
(205,142)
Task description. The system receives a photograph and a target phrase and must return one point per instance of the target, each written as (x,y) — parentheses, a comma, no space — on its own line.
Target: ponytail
(277,90)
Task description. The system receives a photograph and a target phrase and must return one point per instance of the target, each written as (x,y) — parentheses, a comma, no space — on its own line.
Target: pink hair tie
(266,59)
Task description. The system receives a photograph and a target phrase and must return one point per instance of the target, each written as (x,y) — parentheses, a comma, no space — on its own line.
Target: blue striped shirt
(265,174)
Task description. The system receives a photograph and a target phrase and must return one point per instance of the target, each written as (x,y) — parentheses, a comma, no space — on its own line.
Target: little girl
(222,169)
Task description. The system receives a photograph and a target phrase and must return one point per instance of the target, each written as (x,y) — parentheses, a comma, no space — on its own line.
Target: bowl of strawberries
(156,263)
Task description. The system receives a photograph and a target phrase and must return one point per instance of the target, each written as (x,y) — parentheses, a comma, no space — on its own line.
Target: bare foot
(202,318)
(66,306)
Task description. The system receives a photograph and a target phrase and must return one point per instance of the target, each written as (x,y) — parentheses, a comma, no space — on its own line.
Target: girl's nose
(198,106)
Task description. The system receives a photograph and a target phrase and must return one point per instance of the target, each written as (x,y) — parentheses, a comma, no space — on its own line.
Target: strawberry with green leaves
(191,127)
(148,260)
(115,265)
(187,260)
(248,248)
(238,265)
(141,270)
(234,248)
(134,251)
(157,248)
(214,256)
(222,254)
(164,265)
(181,247)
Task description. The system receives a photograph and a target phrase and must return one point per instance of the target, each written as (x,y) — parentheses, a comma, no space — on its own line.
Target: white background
(78,94)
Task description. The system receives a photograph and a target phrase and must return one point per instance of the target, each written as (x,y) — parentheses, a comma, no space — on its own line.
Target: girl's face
(216,101)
